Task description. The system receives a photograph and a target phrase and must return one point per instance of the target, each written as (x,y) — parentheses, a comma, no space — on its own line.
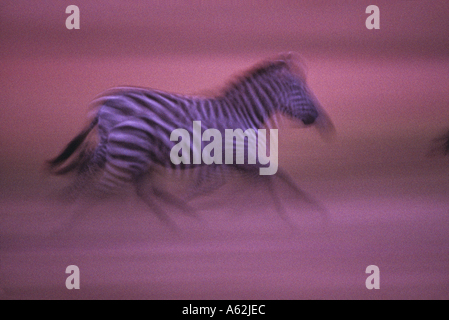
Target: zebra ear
(289,56)
(295,63)
(282,60)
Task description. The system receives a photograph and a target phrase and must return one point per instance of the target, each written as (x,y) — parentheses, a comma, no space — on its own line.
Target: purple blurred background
(386,91)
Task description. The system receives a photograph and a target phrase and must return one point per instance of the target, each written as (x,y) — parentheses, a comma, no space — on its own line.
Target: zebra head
(299,102)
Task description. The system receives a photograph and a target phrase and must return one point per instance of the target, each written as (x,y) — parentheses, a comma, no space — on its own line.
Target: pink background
(386,91)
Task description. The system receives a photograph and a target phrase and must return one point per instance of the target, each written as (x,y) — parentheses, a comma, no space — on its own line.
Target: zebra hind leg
(164,195)
(82,194)
(208,180)
(75,196)
(78,210)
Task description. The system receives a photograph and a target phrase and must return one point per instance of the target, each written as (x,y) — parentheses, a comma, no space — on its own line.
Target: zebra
(133,127)
(440,145)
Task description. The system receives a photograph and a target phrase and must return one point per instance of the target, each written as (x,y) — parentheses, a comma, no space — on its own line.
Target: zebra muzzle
(309,119)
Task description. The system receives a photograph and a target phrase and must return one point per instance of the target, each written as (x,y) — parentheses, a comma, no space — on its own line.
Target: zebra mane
(284,62)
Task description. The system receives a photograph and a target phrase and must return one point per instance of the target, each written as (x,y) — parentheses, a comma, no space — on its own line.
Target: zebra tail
(69,150)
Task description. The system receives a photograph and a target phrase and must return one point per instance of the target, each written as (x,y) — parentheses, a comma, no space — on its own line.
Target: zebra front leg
(164,195)
(254,176)
(277,203)
(160,213)
(175,201)
(284,177)
(208,180)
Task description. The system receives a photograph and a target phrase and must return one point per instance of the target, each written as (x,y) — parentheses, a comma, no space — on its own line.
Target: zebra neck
(253,105)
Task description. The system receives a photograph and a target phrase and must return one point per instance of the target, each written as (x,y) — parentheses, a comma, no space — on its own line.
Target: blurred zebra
(134,124)
(440,145)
